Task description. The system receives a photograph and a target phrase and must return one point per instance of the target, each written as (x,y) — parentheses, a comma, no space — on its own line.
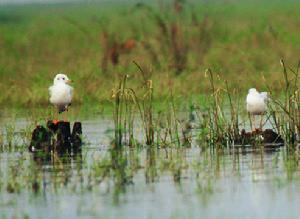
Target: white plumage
(256,103)
(61,92)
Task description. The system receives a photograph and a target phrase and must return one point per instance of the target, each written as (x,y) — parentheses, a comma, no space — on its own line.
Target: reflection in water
(151,173)
(119,178)
(120,167)
(55,168)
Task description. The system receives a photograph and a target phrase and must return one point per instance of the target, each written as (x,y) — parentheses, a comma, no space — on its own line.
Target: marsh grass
(285,111)
(145,105)
(120,105)
(160,128)
(129,102)
(15,138)
(170,131)
(10,133)
(220,119)
(222,116)
(26,133)
(1,139)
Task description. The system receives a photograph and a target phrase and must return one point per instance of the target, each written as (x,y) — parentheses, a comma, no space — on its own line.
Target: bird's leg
(52,113)
(254,122)
(261,122)
(55,115)
(66,114)
(250,120)
(58,116)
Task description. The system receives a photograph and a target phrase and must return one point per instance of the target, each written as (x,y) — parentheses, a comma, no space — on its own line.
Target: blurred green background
(173,41)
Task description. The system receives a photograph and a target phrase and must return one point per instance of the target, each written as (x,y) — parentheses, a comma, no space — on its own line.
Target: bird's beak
(69,81)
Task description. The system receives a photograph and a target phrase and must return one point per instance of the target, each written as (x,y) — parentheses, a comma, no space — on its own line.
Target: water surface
(144,183)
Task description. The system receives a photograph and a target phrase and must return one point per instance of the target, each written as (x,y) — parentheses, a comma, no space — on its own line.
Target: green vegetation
(174,42)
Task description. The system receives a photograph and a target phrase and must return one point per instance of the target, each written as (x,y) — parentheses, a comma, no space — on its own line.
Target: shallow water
(145,183)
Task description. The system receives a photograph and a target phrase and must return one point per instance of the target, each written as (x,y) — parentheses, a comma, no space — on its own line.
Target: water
(144,183)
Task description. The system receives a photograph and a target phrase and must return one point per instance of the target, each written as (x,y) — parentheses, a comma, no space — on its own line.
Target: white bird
(61,92)
(256,104)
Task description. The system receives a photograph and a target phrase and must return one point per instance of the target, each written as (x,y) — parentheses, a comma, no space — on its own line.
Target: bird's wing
(50,90)
(71,91)
(249,97)
(264,95)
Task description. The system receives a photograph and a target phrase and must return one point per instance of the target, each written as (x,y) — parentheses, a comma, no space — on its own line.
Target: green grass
(241,41)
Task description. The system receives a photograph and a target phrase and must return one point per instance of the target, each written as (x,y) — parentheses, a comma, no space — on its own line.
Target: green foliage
(178,40)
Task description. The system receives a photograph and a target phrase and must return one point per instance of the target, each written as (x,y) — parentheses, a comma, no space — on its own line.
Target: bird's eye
(63,78)
(58,78)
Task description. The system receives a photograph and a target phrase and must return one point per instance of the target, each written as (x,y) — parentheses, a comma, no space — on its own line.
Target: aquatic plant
(145,105)
(10,133)
(285,111)
(169,129)
(123,113)
(220,124)
(128,102)
(25,133)
(1,139)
